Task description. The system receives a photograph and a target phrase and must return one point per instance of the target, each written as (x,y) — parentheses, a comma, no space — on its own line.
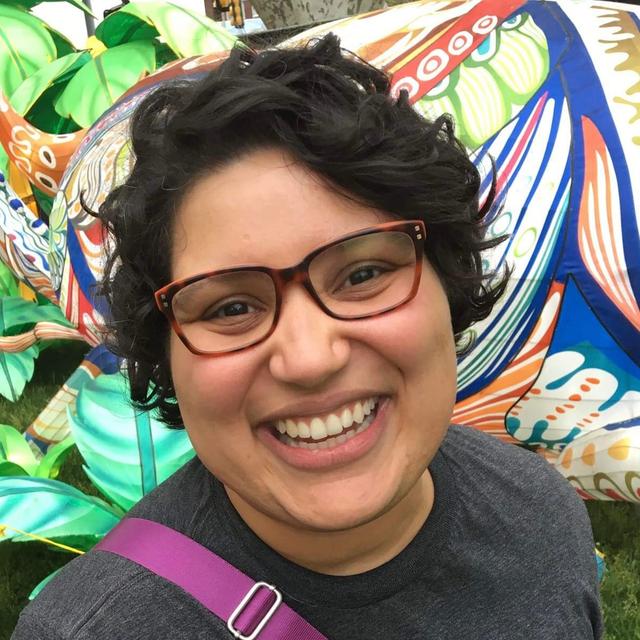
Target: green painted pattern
(492,345)
(486,91)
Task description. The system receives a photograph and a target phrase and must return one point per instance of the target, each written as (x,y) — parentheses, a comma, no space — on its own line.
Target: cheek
(210,391)
(418,339)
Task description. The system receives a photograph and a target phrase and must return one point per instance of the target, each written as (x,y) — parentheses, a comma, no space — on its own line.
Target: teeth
(334,426)
(303,430)
(358,413)
(318,430)
(291,428)
(330,432)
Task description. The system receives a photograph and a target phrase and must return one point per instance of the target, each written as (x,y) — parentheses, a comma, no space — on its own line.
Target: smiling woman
(306,250)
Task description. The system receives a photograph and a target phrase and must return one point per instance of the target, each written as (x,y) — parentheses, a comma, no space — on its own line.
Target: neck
(346,552)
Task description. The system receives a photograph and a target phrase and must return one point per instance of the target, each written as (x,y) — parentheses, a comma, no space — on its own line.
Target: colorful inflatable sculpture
(551,92)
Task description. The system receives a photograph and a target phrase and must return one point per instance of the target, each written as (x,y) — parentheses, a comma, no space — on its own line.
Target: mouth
(328,431)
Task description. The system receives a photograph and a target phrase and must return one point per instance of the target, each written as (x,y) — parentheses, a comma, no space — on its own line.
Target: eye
(363,274)
(232,309)
(363,280)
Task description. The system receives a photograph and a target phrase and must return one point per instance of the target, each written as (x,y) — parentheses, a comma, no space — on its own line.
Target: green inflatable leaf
(164,54)
(124,26)
(14,450)
(57,71)
(17,314)
(186,32)
(52,509)
(43,200)
(49,466)
(26,44)
(16,370)
(11,469)
(8,282)
(63,46)
(128,453)
(104,79)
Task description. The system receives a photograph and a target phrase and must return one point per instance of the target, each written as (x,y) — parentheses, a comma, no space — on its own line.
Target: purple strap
(215,583)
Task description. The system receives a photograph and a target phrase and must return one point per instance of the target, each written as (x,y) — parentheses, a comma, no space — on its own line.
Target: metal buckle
(243,603)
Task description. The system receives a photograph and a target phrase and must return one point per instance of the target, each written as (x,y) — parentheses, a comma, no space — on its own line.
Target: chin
(344,512)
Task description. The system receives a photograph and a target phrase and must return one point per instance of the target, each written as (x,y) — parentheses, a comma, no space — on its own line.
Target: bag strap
(250,609)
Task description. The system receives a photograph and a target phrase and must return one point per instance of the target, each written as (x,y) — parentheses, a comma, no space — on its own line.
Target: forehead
(264,208)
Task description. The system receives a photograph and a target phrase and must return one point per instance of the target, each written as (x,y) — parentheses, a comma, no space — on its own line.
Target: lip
(340,455)
(317,406)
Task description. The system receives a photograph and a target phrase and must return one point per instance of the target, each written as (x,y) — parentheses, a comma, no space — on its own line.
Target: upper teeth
(318,428)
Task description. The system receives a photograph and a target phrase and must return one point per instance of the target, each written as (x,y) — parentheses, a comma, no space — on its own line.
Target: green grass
(616,528)
(24,565)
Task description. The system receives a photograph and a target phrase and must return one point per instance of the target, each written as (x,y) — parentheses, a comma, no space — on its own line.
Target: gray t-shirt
(506,553)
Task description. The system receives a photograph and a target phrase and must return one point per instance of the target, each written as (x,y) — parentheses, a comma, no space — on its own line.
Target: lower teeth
(329,442)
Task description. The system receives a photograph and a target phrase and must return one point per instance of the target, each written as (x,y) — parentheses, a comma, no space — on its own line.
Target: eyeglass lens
(359,277)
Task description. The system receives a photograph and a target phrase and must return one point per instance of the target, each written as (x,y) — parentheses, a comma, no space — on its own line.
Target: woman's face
(266,209)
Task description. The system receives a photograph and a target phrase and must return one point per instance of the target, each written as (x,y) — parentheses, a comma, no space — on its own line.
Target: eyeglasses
(359,275)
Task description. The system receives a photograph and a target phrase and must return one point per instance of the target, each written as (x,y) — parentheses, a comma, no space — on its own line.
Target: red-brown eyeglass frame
(299,273)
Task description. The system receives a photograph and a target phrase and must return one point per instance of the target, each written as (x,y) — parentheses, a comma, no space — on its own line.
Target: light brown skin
(266,209)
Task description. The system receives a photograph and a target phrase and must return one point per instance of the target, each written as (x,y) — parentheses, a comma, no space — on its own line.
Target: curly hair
(332,112)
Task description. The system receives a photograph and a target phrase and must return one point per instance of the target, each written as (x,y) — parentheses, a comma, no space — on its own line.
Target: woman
(296,256)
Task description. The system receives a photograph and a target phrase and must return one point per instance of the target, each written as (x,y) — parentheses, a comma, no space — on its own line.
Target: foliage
(29,4)
(54,510)
(186,32)
(60,90)
(616,528)
(17,458)
(36,96)
(26,44)
(17,316)
(103,79)
(126,453)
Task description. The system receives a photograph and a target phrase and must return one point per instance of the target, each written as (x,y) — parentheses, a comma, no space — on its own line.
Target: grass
(616,528)
(24,565)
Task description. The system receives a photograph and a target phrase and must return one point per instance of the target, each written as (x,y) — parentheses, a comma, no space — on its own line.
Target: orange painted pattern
(486,410)
(599,231)
(41,157)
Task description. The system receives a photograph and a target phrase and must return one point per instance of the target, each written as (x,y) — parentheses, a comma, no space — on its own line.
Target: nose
(308,346)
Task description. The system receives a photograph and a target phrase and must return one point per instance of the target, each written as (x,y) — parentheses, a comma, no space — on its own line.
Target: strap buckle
(236,633)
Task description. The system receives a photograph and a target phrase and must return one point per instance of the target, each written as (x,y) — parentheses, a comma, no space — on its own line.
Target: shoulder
(501,467)
(79,593)
(517,497)
(100,590)
(101,596)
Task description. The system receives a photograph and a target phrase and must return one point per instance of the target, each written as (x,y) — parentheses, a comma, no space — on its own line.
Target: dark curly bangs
(329,110)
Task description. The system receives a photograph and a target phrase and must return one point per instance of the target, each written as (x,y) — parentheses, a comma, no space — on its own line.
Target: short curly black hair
(332,112)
